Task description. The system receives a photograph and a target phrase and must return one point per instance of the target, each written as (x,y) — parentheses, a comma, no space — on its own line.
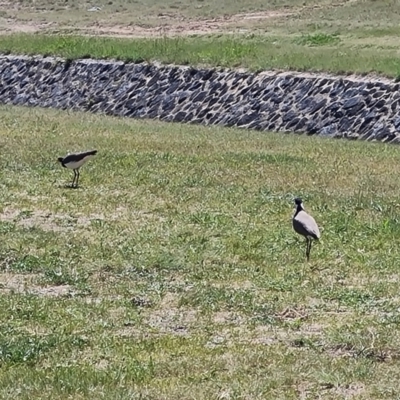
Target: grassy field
(173,271)
(336,36)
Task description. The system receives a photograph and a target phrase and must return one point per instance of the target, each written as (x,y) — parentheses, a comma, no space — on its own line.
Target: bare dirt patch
(290,314)
(15,282)
(347,350)
(163,322)
(228,317)
(51,291)
(306,390)
(42,219)
(183,27)
(9,26)
(49,221)
(168,318)
(166,24)
(267,336)
(347,391)
(172,321)
(25,284)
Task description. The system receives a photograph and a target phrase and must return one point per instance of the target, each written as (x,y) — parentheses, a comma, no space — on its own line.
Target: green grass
(358,36)
(305,53)
(173,271)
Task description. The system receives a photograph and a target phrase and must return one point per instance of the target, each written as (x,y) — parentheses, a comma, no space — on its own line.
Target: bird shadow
(66,186)
(318,268)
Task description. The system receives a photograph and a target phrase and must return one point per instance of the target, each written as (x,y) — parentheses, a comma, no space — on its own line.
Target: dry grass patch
(27,284)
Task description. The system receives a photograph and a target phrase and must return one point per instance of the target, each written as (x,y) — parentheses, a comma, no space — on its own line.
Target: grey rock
(378,94)
(179,116)
(212,101)
(292,123)
(317,105)
(379,104)
(365,126)
(380,131)
(328,130)
(311,127)
(370,116)
(350,92)
(338,113)
(355,109)
(199,96)
(344,124)
(277,98)
(352,102)
(337,90)
(394,106)
(301,124)
(290,116)
(247,119)
(325,90)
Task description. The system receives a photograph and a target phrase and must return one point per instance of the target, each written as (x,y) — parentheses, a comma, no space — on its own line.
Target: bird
(305,225)
(74,161)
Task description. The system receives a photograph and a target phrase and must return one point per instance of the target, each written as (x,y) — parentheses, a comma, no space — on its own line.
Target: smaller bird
(74,161)
(305,225)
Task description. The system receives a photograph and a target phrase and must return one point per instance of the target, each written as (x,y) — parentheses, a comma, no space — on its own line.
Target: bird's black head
(298,201)
(61,159)
(299,204)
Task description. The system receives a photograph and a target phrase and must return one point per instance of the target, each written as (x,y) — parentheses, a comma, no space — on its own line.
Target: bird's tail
(92,152)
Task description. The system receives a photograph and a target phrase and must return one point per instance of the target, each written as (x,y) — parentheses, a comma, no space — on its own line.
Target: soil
(169,25)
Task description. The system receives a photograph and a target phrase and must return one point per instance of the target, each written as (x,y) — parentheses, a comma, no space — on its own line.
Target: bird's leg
(308,248)
(77,177)
(73,181)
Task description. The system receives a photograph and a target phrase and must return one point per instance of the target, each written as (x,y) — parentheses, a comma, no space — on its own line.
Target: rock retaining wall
(324,105)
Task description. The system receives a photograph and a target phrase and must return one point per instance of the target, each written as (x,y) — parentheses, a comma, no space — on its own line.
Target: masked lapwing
(74,161)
